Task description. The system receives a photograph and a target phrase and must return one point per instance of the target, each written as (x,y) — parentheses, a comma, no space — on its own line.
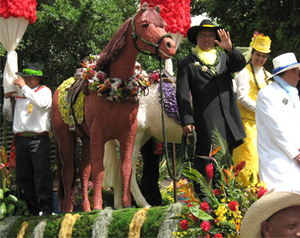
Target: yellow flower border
(64,106)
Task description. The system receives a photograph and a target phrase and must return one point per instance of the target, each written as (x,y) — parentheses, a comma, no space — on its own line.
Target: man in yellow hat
(206,73)
(249,81)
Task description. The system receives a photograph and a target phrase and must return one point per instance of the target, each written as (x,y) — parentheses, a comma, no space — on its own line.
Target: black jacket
(214,101)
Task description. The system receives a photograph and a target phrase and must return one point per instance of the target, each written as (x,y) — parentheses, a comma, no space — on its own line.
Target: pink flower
(218,235)
(261,192)
(217,192)
(205,226)
(204,206)
(210,172)
(184,224)
(233,205)
(155,77)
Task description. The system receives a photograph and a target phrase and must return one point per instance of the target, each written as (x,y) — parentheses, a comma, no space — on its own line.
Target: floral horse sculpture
(105,120)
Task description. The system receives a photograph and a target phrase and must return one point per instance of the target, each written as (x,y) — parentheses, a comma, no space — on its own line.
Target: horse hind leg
(67,156)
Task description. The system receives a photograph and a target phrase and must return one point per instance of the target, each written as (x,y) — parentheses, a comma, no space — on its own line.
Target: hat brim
(193,31)
(31,75)
(265,207)
(294,66)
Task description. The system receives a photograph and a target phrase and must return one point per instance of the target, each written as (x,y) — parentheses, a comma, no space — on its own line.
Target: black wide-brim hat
(32,70)
(205,24)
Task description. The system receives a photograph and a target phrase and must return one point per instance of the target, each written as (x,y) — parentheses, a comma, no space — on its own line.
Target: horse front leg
(97,154)
(126,148)
(85,171)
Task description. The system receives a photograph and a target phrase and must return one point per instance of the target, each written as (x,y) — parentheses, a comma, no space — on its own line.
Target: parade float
(219,216)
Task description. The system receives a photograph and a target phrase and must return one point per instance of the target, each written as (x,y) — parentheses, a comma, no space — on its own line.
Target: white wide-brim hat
(270,203)
(284,62)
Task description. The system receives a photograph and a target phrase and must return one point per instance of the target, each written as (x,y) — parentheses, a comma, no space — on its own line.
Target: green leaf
(200,214)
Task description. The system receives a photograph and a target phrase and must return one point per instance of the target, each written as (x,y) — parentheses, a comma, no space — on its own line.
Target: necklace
(254,75)
(211,66)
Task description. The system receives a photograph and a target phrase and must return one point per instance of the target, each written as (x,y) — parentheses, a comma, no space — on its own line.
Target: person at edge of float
(31,125)
(206,73)
(278,126)
(249,81)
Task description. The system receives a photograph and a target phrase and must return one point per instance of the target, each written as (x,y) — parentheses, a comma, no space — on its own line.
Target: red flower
(239,167)
(261,192)
(205,226)
(209,172)
(184,224)
(189,205)
(218,235)
(204,206)
(217,192)
(233,205)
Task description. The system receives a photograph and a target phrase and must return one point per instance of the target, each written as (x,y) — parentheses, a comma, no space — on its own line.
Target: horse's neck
(123,67)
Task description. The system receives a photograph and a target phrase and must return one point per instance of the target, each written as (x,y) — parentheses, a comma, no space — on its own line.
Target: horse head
(145,32)
(149,34)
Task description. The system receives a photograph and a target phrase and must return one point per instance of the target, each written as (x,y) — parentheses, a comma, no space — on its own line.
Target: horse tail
(113,49)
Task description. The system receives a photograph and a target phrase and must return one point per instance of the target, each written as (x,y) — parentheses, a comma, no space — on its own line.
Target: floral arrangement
(176,13)
(19,8)
(221,213)
(170,102)
(114,89)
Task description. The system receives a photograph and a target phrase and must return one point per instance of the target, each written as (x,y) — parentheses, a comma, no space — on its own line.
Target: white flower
(196,63)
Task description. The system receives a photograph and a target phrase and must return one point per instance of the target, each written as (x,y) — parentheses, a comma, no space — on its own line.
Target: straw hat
(205,24)
(263,208)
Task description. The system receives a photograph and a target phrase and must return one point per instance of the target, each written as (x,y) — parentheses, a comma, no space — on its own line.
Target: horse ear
(157,8)
(144,7)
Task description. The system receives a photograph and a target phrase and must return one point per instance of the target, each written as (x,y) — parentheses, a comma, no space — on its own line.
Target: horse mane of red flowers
(176,13)
(19,9)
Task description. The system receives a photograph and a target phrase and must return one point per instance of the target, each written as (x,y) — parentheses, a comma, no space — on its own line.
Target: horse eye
(146,25)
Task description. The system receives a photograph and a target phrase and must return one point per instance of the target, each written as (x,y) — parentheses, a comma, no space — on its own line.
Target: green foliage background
(68,30)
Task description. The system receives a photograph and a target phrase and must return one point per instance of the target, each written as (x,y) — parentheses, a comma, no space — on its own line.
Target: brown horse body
(106,120)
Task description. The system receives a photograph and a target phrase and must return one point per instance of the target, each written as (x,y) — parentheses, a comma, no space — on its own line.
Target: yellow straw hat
(261,43)
(270,203)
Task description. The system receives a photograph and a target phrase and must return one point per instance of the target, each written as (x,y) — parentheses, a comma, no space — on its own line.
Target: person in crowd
(206,74)
(249,81)
(278,126)
(275,214)
(31,126)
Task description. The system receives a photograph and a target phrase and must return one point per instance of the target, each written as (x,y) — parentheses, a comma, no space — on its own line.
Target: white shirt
(278,141)
(32,110)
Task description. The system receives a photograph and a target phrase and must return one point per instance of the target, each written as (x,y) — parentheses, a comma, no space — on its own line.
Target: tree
(65,32)
(278,19)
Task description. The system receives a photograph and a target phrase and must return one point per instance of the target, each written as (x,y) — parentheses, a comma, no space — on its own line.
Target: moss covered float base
(132,222)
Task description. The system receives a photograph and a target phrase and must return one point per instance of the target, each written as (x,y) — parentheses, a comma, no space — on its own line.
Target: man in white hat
(275,214)
(278,126)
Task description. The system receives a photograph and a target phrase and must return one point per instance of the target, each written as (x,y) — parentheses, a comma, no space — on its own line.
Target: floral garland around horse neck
(114,89)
